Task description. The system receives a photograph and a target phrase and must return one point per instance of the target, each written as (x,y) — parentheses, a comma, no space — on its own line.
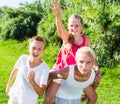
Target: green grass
(108,90)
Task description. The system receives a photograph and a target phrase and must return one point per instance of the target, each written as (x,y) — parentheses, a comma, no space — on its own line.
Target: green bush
(108,48)
(20,27)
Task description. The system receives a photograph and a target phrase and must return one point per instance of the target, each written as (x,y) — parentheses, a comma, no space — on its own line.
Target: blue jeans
(66,101)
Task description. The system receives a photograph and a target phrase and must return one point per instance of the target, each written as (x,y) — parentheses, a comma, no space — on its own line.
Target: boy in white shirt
(31,75)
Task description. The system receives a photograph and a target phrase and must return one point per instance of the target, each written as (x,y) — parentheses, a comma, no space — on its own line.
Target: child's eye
(34,48)
(88,62)
(81,62)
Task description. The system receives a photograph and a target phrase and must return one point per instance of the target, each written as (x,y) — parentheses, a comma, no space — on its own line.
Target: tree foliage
(20,23)
(101,22)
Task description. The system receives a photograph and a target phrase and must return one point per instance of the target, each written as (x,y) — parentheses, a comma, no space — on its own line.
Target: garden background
(101,23)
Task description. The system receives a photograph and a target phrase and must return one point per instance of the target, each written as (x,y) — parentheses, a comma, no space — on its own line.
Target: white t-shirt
(22,90)
(72,89)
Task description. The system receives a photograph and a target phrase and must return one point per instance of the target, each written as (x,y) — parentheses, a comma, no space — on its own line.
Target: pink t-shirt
(65,58)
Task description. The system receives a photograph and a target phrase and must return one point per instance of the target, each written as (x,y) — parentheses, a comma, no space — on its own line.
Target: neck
(81,77)
(78,39)
(33,63)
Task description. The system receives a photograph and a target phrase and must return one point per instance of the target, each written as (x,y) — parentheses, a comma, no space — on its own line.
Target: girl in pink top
(66,58)
(72,40)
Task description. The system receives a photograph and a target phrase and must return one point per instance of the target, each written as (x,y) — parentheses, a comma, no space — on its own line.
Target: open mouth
(35,55)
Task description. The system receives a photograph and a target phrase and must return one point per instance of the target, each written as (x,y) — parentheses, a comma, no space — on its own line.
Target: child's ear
(42,51)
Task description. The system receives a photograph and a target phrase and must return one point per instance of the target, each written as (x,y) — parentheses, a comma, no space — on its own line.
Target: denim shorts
(59,100)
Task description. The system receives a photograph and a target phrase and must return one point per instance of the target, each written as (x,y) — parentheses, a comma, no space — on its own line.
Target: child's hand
(97,79)
(31,75)
(56,8)
(97,76)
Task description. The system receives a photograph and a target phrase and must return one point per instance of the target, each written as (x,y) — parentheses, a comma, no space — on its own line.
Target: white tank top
(72,89)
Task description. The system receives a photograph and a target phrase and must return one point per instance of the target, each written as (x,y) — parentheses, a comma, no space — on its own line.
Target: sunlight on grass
(108,90)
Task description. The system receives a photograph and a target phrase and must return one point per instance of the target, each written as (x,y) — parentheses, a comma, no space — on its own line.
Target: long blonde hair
(71,37)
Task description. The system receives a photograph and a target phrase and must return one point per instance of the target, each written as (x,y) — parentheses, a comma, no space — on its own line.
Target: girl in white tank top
(75,78)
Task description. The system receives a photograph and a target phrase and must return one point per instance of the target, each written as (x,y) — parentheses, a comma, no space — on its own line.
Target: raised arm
(58,13)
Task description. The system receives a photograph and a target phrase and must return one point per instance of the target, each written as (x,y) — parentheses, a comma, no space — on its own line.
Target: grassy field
(108,90)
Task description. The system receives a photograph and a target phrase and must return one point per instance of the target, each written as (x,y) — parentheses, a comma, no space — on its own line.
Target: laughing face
(36,49)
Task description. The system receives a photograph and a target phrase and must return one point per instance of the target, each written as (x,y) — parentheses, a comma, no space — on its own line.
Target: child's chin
(83,72)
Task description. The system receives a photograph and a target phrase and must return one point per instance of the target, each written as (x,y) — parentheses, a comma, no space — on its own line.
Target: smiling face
(75,24)
(36,49)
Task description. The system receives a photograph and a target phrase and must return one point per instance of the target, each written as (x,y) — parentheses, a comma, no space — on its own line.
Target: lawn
(108,90)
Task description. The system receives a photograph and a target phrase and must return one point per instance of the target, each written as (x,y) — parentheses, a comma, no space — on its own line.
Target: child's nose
(35,51)
(84,65)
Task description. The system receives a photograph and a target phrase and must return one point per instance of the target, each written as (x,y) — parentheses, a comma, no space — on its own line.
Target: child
(76,78)
(31,74)
(72,41)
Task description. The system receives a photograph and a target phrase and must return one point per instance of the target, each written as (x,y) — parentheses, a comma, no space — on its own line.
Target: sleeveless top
(65,58)
(72,89)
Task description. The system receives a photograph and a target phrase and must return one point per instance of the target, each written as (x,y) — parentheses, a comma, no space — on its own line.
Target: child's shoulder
(22,57)
(45,66)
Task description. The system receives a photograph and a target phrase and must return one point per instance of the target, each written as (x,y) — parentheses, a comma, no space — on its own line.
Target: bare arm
(91,94)
(58,12)
(88,42)
(63,73)
(96,67)
(11,79)
(39,89)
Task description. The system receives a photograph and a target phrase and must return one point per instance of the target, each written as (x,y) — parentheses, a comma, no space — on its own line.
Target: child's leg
(51,92)
(91,94)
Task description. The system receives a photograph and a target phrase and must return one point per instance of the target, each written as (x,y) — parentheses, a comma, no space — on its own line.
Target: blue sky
(13,3)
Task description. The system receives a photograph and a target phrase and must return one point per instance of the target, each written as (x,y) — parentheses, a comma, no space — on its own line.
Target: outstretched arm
(56,74)
(58,13)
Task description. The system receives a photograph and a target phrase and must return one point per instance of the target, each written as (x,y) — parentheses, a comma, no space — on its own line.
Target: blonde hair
(77,17)
(85,50)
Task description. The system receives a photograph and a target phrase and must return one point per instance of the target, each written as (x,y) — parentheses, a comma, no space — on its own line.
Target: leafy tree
(21,23)
(101,22)
(107,45)
(101,19)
